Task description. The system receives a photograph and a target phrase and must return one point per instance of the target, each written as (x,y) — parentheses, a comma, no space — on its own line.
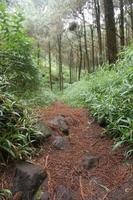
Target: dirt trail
(112,175)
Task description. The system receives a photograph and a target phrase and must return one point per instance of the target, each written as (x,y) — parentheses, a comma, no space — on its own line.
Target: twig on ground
(81,188)
(46,162)
(105,197)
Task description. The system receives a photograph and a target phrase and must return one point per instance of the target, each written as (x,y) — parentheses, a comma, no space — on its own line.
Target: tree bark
(110,31)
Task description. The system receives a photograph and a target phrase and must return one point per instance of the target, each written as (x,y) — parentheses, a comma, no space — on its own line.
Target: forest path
(111,178)
(74,170)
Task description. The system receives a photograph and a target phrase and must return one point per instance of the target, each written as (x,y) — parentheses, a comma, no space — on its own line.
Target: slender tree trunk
(110,31)
(126,33)
(77,63)
(131,14)
(70,64)
(59,38)
(84,61)
(85,43)
(50,71)
(97,11)
(92,48)
(122,37)
(80,61)
(38,54)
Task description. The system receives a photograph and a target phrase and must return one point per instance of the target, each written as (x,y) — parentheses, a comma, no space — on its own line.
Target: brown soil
(64,167)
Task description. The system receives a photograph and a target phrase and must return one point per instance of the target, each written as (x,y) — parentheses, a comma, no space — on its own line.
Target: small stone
(42,127)
(27,180)
(60,123)
(90,161)
(63,193)
(60,142)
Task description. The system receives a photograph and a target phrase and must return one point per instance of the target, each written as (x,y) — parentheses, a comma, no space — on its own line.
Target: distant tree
(59,41)
(50,70)
(92,47)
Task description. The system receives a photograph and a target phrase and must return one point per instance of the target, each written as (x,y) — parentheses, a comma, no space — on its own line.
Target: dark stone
(27,180)
(60,123)
(90,161)
(45,196)
(60,142)
(42,127)
(63,193)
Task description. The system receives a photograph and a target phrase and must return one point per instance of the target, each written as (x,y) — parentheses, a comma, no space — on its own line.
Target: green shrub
(17,129)
(108,94)
(74,94)
(16,56)
(43,97)
(5,194)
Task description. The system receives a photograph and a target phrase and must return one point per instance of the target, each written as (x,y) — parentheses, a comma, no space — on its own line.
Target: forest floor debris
(110,175)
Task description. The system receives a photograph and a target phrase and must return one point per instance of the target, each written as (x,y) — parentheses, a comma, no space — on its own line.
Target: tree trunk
(97,11)
(122,37)
(92,48)
(131,13)
(59,38)
(77,63)
(84,61)
(80,61)
(38,54)
(110,31)
(85,43)
(50,74)
(70,64)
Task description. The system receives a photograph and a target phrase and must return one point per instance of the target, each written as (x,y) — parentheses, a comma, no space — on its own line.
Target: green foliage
(16,60)
(17,132)
(74,94)
(44,70)
(108,94)
(17,75)
(43,97)
(5,194)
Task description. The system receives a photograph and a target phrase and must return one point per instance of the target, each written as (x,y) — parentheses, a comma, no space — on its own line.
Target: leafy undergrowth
(17,60)
(43,97)
(18,130)
(108,94)
(18,75)
(5,194)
